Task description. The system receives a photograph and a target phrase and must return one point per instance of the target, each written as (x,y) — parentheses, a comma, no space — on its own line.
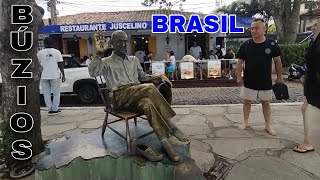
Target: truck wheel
(88,94)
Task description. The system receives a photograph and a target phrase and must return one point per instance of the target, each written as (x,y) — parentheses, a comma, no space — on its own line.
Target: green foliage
(272,29)
(292,53)
(241,8)
(163,4)
(234,45)
(5,141)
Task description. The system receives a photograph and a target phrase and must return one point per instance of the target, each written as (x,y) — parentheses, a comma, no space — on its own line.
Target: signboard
(158,68)
(93,27)
(112,26)
(186,70)
(214,69)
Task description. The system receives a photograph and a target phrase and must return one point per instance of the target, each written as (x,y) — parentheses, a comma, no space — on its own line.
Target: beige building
(306,17)
(73,36)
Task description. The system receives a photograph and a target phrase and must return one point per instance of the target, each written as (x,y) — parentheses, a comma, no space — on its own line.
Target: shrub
(292,53)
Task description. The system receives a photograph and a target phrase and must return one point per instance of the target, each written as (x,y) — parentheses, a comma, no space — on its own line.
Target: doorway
(202,40)
(73,48)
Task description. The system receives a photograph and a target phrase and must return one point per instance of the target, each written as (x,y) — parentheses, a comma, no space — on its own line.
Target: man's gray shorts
(250,94)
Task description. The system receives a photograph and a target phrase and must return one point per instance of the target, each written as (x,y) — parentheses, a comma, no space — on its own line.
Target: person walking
(52,74)
(311,106)
(257,54)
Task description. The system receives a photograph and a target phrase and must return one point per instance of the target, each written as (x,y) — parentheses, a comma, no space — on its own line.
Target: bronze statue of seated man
(125,75)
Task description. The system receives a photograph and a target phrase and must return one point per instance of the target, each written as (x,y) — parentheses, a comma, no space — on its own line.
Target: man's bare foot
(243,126)
(305,146)
(271,131)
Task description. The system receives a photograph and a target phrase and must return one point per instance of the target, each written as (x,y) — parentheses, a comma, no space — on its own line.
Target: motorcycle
(296,72)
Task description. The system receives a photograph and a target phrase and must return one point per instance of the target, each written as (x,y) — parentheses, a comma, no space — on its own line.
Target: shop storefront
(78,37)
(75,34)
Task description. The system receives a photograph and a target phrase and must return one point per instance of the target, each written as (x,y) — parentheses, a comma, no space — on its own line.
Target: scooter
(296,72)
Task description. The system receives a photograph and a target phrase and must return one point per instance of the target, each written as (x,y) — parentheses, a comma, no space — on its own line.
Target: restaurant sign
(92,27)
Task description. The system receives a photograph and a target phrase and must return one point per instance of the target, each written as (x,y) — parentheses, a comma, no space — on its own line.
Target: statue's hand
(164,79)
(101,42)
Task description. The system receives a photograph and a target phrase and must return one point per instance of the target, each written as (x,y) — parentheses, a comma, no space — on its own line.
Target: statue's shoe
(149,153)
(172,153)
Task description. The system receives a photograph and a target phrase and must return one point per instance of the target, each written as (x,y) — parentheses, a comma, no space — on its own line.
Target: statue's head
(119,40)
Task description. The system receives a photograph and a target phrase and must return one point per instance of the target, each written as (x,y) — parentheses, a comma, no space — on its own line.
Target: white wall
(175,43)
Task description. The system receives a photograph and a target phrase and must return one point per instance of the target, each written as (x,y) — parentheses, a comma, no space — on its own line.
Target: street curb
(189,106)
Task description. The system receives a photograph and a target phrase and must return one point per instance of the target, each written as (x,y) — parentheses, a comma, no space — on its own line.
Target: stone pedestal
(89,157)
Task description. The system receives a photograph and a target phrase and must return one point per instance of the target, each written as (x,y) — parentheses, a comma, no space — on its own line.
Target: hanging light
(147,41)
(134,42)
(168,39)
(142,37)
(75,37)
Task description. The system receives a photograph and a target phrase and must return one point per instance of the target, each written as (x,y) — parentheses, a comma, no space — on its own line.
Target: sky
(67,7)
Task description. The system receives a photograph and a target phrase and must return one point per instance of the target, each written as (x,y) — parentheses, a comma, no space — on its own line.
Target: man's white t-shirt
(195,51)
(140,55)
(48,59)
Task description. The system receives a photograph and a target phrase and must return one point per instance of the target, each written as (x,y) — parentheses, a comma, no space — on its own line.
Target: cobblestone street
(227,95)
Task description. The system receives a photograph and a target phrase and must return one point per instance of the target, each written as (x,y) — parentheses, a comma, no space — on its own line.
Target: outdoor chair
(123,114)
(173,75)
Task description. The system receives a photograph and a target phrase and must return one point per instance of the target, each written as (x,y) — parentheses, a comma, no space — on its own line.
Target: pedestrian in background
(257,54)
(311,106)
(212,56)
(85,61)
(196,51)
(219,52)
(229,55)
(172,67)
(52,74)
(147,58)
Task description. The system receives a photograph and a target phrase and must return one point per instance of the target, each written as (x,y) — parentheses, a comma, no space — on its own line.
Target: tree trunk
(286,17)
(9,86)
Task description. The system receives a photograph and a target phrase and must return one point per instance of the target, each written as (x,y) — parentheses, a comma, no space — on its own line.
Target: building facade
(75,34)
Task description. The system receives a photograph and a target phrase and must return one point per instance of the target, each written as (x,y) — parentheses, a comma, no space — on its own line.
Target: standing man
(257,54)
(147,58)
(52,74)
(196,51)
(311,106)
(219,52)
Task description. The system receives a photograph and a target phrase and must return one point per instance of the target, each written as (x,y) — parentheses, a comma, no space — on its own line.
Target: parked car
(78,81)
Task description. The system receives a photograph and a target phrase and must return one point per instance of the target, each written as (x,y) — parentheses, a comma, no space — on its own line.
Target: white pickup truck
(78,81)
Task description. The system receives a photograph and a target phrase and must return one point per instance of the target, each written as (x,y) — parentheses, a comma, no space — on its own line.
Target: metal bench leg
(135,121)
(128,138)
(105,122)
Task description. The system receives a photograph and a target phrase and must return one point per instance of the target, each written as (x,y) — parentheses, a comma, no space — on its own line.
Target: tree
(286,17)
(242,9)
(9,86)
(163,4)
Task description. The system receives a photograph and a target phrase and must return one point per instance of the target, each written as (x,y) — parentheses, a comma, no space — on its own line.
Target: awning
(93,27)
(112,26)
